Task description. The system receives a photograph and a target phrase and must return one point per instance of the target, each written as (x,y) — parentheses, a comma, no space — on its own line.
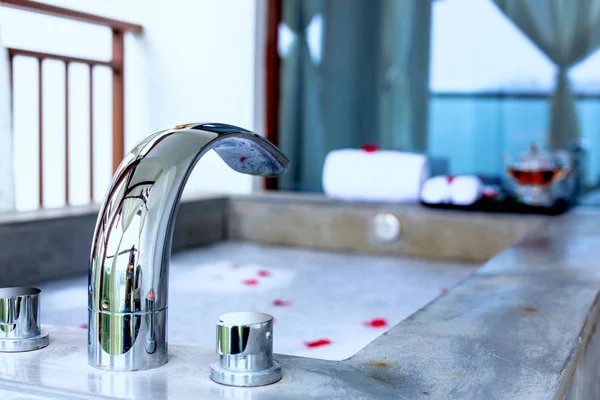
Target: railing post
(41,132)
(118,95)
(11,82)
(67,199)
(91,104)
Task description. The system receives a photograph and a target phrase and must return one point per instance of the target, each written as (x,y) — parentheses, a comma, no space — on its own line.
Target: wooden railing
(116,64)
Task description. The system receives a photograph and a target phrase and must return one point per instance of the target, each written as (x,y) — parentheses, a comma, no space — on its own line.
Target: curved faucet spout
(131,248)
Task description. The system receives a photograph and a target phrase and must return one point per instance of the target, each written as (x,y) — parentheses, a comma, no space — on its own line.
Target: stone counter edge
(317,222)
(54,244)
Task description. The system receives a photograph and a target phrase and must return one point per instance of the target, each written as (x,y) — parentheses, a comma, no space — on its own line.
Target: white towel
(461,190)
(380,175)
(436,190)
(465,190)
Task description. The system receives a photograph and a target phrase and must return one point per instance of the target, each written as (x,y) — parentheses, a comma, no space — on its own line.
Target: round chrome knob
(19,320)
(245,348)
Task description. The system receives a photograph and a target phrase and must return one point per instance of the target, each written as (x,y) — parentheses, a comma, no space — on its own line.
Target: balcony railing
(116,65)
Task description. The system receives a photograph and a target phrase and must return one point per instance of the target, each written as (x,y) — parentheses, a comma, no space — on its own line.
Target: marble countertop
(60,371)
(523,326)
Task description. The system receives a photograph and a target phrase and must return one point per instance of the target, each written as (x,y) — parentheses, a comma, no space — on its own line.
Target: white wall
(194,62)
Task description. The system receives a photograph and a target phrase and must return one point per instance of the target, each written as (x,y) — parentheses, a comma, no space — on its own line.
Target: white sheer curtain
(6,149)
(567,31)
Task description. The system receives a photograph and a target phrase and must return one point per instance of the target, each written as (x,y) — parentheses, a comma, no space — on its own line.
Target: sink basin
(327,305)
(521,326)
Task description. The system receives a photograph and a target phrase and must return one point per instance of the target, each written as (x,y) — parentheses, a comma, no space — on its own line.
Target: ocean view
(472,133)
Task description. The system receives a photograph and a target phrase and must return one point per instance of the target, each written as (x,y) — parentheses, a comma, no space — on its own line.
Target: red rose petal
(370,148)
(489,194)
(376,323)
(264,273)
(242,159)
(281,303)
(83,326)
(318,343)
(450,178)
(250,282)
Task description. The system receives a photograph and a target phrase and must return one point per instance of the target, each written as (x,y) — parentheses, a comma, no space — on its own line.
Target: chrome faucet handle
(20,328)
(245,348)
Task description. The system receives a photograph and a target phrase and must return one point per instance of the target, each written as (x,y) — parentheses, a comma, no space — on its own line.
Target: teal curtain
(370,86)
(301,123)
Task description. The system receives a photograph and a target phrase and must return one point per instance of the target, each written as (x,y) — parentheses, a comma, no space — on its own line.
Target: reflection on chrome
(131,248)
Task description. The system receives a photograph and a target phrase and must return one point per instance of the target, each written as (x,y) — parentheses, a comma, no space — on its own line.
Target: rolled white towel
(374,175)
(465,190)
(436,190)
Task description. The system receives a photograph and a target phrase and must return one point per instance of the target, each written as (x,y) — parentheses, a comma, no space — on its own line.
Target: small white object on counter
(380,175)
(465,190)
(436,190)
(462,190)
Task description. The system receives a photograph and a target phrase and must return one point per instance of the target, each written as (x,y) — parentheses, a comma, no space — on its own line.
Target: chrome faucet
(131,248)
